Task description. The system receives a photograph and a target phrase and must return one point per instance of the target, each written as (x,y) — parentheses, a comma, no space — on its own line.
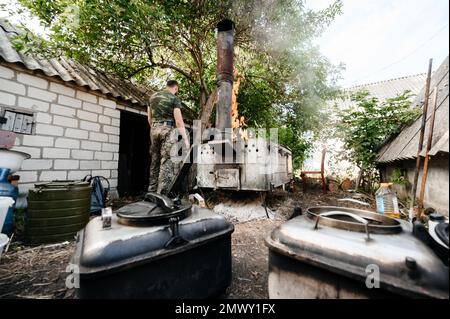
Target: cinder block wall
(437,184)
(76,131)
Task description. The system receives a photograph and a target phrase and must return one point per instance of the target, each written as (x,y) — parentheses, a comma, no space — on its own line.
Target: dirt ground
(39,272)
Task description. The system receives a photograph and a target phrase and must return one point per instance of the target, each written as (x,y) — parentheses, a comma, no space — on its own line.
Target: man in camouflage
(164,114)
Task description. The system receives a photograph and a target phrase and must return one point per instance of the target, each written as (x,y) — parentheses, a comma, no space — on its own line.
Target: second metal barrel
(57,211)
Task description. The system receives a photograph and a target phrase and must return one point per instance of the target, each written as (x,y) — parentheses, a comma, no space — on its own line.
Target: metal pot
(334,252)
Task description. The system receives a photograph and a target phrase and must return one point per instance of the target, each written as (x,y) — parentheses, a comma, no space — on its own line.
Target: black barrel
(57,211)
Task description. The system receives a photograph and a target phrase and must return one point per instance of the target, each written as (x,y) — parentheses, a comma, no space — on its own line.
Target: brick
(42,117)
(92,107)
(36,164)
(12,87)
(41,94)
(98,137)
(88,145)
(32,80)
(77,175)
(115,122)
(108,103)
(33,104)
(65,121)
(104,173)
(53,176)
(104,119)
(35,140)
(51,152)
(114,173)
(62,89)
(114,139)
(66,164)
(106,156)
(90,126)
(46,129)
(79,154)
(110,164)
(8,99)
(69,101)
(33,151)
(62,110)
(108,147)
(75,133)
(113,182)
(111,112)
(27,177)
(111,129)
(67,143)
(6,73)
(87,97)
(88,116)
(89,164)
(116,157)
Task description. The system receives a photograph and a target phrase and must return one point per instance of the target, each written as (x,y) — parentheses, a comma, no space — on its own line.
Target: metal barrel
(57,211)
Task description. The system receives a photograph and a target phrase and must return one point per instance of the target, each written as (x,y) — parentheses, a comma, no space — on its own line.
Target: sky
(377,40)
(384,39)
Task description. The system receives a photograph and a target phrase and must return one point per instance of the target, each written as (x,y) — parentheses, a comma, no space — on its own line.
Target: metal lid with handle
(351,215)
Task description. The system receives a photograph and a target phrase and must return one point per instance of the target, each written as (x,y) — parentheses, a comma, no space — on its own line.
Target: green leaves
(365,127)
(286,78)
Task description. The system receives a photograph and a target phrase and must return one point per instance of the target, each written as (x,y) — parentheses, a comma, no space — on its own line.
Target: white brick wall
(32,80)
(62,89)
(76,133)
(8,99)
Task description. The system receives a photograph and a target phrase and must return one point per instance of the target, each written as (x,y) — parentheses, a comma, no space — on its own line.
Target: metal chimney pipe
(225,52)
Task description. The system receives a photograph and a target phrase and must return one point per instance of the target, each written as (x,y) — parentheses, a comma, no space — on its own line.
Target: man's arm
(180,125)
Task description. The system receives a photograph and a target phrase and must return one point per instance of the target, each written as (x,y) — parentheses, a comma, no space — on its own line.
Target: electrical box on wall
(16,121)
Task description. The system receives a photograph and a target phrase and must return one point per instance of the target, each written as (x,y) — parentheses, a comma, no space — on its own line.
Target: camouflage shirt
(162,105)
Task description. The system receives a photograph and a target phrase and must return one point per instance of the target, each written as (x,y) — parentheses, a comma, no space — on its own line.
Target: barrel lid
(155,208)
(436,217)
(352,219)
(61,184)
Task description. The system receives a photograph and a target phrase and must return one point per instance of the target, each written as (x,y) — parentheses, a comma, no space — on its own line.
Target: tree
(285,76)
(365,127)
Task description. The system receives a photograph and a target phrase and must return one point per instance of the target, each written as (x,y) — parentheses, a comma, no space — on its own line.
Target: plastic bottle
(386,200)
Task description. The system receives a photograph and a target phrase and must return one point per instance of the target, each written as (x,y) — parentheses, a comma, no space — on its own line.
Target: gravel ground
(39,272)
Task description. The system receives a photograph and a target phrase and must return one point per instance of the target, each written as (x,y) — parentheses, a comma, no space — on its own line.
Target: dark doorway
(134,157)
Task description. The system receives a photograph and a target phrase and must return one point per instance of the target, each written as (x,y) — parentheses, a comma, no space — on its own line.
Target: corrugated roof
(69,70)
(404,146)
(383,89)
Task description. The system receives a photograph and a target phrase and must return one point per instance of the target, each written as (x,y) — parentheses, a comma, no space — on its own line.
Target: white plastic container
(5,203)
(386,200)
(3,241)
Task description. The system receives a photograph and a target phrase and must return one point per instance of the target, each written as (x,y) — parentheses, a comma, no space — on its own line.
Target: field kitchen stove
(155,248)
(335,252)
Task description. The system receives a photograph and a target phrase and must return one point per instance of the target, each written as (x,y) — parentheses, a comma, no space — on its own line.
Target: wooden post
(427,156)
(422,133)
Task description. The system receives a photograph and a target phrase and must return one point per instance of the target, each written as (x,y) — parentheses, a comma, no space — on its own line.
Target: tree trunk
(358,180)
(207,108)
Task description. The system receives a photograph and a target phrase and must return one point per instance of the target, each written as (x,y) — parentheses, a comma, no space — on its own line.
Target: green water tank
(57,211)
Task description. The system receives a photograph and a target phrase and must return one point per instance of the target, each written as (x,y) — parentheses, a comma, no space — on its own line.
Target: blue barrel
(8,190)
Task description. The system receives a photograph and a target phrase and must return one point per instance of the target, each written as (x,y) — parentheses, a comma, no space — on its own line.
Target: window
(18,122)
